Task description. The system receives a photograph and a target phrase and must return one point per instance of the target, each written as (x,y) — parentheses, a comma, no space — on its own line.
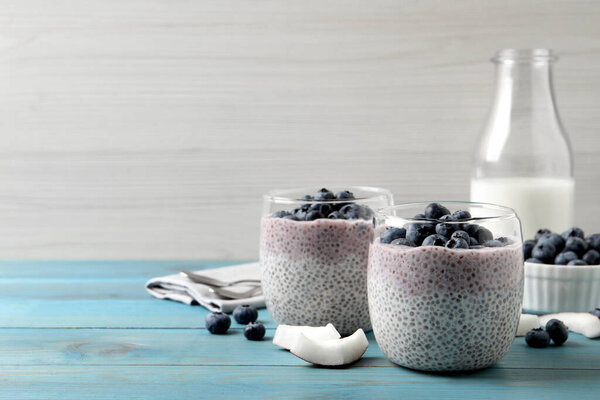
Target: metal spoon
(228,294)
(215,282)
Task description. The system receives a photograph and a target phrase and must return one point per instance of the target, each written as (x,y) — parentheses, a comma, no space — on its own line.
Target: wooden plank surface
(150,129)
(69,341)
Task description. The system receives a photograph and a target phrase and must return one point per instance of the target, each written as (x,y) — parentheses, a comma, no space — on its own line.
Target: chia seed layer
(315,272)
(440,309)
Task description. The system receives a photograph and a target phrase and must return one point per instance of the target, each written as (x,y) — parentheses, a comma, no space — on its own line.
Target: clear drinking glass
(436,308)
(523,158)
(314,272)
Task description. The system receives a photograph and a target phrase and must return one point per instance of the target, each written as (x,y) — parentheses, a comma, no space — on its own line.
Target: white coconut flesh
(527,322)
(331,352)
(286,335)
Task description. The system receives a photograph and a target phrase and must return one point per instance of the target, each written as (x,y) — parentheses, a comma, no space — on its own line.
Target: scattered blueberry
(534,260)
(335,215)
(402,242)
(462,214)
(577,245)
(573,232)
(577,262)
(537,338)
(457,243)
(542,232)
(544,251)
(558,332)
(434,240)
(528,245)
(217,323)
(565,257)
(254,331)
(344,195)
(592,257)
(435,211)
(557,241)
(391,234)
(324,194)
(244,314)
(462,235)
(596,312)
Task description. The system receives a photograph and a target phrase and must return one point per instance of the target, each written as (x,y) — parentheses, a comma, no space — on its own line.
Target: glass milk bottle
(523,158)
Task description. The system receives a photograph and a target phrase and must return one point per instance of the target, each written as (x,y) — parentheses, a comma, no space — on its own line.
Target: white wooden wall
(150,128)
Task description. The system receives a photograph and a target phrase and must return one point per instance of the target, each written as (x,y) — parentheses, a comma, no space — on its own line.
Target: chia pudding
(314,272)
(439,308)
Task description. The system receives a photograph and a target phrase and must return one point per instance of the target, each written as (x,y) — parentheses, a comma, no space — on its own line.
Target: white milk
(539,202)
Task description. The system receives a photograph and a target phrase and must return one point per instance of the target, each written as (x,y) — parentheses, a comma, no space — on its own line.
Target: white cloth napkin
(179,288)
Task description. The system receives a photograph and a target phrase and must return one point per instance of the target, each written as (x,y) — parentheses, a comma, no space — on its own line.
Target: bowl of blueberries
(562,271)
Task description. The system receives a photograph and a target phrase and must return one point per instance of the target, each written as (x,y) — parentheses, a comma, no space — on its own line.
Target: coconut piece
(527,322)
(331,352)
(286,335)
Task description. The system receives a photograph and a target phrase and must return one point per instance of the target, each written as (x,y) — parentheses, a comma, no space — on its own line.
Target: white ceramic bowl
(553,288)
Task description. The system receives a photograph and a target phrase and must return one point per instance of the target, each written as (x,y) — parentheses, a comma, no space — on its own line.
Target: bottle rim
(524,56)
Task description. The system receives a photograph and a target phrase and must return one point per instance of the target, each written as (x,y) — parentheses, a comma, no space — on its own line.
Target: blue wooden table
(88,330)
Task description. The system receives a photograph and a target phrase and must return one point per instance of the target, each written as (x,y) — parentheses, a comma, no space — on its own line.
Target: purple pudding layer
(440,309)
(315,272)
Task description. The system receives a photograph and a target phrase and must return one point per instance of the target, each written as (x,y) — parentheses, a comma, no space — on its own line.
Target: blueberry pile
(218,323)
(441,228)
(326,204)
(569,248)
(555,331)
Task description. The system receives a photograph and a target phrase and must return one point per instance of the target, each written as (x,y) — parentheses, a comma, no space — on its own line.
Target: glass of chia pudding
(445,284)
(314,246)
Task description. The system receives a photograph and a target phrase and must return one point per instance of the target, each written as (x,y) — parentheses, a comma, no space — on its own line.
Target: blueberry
(217,323)
(344,195)
(573,232)
(476,246)
(483,235)
(351,211)
(462,214)
(537,338)
(594,241)
(420,216)
(254,331)
(291,217)
(435,211)
(323,208)
(534,260)
(417,232)
(391,234)
(542,232)
(461,234)
(504,240)
(555,239)
(307,197)
(402,242)
(324,194)
(592,257)
(280,214)
(244,314)
(445,229)
(577,245)
(335,215)
(558,332)
(565,257)
(312,215)
(493,243)
(457,243)
(544,251)
(596,312)
(300,214)
(471,229)
(577,262)
(473,242)
(528,245)
(434,240)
